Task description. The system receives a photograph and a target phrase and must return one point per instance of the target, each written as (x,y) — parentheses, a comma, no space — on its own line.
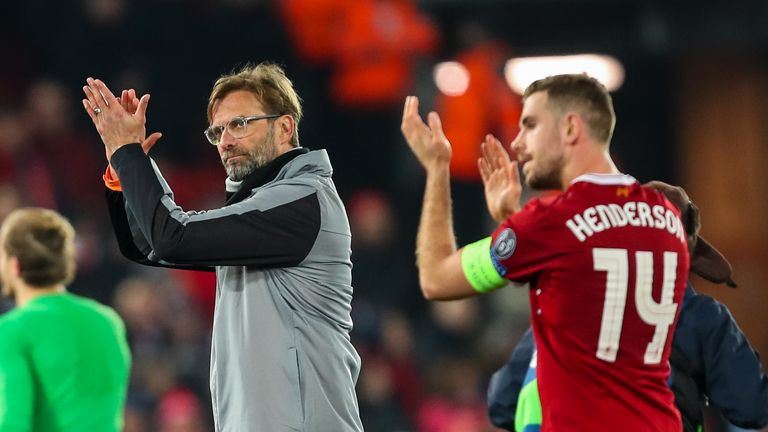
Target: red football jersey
(607,262)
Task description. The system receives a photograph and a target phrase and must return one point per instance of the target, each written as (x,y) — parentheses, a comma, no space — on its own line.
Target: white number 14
(660,315)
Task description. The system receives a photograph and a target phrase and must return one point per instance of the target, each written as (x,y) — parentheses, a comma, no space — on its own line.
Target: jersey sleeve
(516,251)
(15,386)
(521,246)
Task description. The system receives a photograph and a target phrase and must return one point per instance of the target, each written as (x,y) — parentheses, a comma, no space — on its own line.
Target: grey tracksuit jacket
(281,357)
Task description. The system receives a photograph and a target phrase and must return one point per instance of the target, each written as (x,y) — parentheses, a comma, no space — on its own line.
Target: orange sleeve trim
(112,183)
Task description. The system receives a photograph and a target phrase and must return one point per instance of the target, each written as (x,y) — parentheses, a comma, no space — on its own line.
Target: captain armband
(478,267)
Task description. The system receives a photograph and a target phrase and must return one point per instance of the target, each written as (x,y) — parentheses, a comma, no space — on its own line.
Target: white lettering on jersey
(637,214)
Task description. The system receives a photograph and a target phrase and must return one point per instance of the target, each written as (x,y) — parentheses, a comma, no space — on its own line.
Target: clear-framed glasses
(237,127)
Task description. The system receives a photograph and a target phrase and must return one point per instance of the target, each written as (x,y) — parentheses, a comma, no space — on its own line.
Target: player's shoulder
(9,321)
(589,189)
(92,306)
(534,214)
(13,325)
(588,186)
(538,207)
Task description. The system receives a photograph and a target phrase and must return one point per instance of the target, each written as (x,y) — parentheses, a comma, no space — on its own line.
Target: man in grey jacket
(281,355)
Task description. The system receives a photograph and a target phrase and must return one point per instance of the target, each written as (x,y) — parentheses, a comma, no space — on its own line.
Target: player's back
(608,262)
(75,353)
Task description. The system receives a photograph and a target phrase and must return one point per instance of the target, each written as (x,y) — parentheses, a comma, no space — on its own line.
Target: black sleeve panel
(280,236)
(125,240)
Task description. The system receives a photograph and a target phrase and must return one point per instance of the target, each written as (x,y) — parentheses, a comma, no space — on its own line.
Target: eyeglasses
(237,127)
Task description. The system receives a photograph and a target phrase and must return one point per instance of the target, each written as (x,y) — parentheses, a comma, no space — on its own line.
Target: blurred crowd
(425,366)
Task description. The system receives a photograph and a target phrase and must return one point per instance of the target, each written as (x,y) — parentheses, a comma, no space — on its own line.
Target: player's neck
(597,162)
(25,293)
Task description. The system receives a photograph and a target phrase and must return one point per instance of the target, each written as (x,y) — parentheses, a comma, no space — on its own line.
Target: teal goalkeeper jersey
(64,366)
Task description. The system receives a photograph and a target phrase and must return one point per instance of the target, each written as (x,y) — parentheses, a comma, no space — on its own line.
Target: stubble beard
(264,153)
(549,176)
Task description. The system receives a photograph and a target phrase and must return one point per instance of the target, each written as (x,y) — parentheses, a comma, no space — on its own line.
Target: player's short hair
(44,243)
(269,84)
(583,94)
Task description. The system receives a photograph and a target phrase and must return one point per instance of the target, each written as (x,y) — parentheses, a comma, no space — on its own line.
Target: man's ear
(573,127)
(286,128)
(14,267)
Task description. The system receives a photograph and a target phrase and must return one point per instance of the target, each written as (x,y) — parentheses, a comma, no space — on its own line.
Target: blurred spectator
(376,49)
(146,318)
(65,151)
(380,409)
(397,349)
(383,272)
(21,163)
(137,411)
(487,106)
(455,403)
(180,410)
(9,199)
(200,287)
(454,329)
(371,45)
(141,306)
(313,27)
(100,270)
(171,340)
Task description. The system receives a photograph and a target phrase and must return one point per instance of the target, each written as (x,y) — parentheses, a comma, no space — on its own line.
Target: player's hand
(428,142)
(113,118)
(129,101)
(501,180)
(130,104)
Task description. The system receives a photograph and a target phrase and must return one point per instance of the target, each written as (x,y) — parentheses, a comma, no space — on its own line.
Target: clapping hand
(428,143)
(501,180)
(118,121)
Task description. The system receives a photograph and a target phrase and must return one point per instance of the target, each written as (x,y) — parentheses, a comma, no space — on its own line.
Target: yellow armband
(478,267)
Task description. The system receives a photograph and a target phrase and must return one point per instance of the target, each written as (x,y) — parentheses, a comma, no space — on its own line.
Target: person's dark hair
(270,85)
(706,260)
(582,94)
(43,242)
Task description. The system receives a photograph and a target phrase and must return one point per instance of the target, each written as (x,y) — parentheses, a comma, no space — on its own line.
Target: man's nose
(226,141)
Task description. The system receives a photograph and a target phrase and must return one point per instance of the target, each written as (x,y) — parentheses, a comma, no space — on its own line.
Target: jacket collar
(238,191)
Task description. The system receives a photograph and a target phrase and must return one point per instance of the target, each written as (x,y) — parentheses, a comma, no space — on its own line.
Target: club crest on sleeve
(505,244)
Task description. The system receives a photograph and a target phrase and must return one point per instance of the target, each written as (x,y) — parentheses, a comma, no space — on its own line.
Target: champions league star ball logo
(505,244)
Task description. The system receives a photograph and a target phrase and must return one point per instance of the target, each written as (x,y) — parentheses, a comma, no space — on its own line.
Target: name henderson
(639,214)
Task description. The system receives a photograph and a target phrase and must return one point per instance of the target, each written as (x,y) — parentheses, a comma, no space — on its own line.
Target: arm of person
(441,266)
(735,380)
(16,399)
(276,227)
(131,241)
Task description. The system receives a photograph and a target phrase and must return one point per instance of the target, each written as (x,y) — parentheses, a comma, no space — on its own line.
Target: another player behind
(64,359)
(606,260)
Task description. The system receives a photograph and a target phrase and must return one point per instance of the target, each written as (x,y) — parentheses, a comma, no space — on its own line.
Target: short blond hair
(268,83)
(44,243)
(582,93)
